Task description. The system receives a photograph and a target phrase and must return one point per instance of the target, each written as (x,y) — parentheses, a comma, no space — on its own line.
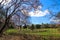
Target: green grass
(44,32)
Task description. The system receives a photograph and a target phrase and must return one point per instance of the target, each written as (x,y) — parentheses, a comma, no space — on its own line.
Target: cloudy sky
(43,15)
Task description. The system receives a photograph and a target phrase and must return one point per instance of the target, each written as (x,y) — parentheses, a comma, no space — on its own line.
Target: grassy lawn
(44,31)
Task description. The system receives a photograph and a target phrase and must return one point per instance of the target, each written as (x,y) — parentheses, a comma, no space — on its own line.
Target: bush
(38,26)
(11,27)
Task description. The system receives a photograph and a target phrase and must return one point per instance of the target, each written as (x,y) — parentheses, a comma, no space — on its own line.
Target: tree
(38,26)
(32,27)
(11,7)
(56,18)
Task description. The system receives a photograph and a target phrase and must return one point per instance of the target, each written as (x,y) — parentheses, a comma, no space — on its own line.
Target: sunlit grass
(43,31)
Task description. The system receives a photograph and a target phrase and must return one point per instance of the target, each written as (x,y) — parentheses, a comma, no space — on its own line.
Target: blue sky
(46,4)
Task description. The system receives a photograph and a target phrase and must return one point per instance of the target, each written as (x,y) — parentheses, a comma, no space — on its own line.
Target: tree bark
(5,26)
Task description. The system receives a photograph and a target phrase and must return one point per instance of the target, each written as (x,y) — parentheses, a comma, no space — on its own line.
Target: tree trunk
(5,26)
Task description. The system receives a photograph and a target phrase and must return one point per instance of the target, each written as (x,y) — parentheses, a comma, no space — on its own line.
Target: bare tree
(11,7)
(56,18)
(54,11)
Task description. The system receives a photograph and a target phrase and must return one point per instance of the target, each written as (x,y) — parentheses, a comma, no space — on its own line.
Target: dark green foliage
(32,27)
(38,26)
(11,27)
(25,26)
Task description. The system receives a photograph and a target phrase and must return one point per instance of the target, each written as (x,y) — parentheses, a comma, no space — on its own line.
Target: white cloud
(55,20)
(38,13)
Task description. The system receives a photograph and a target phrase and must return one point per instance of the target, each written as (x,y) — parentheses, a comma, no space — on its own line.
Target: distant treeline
(31,26)
(38,26)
